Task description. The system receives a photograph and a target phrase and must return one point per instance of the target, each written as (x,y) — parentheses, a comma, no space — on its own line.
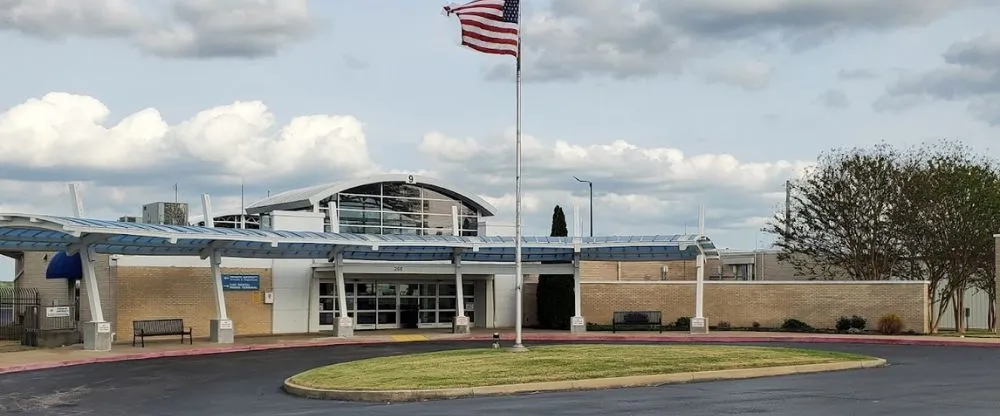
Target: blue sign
(241,282)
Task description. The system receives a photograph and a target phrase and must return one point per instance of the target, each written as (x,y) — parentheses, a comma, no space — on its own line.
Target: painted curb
(689,339)
(388,396)
(182,353)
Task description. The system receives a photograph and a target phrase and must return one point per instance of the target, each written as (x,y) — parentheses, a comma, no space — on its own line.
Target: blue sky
(664,104)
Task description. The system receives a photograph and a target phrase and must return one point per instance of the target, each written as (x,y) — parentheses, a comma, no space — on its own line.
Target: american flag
(489,26)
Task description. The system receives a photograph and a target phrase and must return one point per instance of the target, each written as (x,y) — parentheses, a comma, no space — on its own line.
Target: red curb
(506,337)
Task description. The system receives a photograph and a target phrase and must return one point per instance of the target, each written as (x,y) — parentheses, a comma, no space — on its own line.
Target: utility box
(165,213)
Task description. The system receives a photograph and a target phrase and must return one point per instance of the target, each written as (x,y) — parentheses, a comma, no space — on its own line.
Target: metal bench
(159,327)
(641,319)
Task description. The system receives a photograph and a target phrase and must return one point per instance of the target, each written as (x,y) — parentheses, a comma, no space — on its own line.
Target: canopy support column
(699,324)
(461,323)
(344,327)
(221,328)
(578,324)
(96,332)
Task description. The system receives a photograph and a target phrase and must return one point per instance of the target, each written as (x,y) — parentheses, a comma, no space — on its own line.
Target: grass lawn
(488,367)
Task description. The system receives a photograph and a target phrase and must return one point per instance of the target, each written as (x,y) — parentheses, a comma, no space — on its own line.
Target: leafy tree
(840,224)
(874,214)
(945,218)
(554,294)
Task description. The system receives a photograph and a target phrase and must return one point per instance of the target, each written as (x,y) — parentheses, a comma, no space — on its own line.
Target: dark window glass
(391,219)
(400,189)
(470,233)
(437,222)
(353,229)
(432,194)
(370,189)
(359,202)
(401,205)
(439,207)
(469,223)
(406,231)
(348,217)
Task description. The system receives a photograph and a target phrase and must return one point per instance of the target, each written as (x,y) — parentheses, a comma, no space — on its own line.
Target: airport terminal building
(410,252)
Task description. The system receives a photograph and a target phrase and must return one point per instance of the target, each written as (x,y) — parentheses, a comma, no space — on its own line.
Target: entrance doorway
(379,304)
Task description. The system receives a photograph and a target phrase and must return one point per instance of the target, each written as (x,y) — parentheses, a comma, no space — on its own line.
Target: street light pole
(591,186)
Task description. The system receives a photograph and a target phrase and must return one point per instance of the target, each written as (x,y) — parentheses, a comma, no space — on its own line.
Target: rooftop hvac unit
(129,219)
(166,213)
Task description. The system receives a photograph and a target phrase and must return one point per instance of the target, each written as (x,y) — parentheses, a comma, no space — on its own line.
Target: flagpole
(518,273)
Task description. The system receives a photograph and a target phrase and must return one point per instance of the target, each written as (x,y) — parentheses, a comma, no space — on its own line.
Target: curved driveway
(919,381)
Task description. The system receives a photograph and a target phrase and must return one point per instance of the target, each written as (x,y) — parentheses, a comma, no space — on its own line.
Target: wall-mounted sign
(241,282)
(57,312)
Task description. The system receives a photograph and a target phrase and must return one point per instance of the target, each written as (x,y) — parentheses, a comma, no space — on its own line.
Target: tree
(874,214)
(839,224)
(945,219)
(554,294)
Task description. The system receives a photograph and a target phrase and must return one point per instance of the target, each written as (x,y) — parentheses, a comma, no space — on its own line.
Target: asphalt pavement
(919,381)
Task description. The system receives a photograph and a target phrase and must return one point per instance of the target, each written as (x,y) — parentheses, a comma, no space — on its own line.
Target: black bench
(642,319)
(159,327)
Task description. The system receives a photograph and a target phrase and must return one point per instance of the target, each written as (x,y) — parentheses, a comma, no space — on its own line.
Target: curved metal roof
(25,232)
(310,196)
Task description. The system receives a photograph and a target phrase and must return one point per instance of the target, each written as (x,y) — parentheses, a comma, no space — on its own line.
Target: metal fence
(17,312)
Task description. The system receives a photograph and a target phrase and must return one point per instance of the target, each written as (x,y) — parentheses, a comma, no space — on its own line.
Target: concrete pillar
(460,325)
(97,332)
(220,328)
(343,325)
(578,324)
(699,324)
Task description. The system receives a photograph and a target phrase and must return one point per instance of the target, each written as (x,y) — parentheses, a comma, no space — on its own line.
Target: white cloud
(635,188)
(60,137)
(184,29)
(62,130)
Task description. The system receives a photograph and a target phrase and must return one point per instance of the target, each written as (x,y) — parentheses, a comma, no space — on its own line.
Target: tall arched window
(400,208)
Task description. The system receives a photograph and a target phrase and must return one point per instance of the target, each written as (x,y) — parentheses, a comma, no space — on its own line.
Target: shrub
(853,331)
(755,325)
(795,325)
(845,324)
(890,324)
(683,323)
(723,326)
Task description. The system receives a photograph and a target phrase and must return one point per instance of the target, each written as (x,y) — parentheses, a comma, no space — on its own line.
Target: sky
(663,104)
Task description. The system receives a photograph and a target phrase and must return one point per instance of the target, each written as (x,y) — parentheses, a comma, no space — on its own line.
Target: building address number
(397,268)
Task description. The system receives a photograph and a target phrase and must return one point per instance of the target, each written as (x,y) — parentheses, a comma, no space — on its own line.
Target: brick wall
(741,303)
(188,293)
(58,292)
(639,270)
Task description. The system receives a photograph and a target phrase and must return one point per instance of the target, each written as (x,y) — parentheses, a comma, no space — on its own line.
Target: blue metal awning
(25,232)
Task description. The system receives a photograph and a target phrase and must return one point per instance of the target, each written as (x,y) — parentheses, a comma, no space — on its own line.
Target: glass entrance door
(390,305)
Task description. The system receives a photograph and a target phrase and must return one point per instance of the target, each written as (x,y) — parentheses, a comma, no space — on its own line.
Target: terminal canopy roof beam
(24,232)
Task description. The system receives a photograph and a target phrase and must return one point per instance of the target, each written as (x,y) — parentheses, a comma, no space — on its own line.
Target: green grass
(489,367)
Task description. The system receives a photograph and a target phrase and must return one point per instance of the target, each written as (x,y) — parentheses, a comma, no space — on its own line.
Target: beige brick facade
(743,303)
(764,264)
(188,293)
(131,293)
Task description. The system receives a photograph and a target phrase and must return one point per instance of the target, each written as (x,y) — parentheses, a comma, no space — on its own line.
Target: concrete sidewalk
(36,359)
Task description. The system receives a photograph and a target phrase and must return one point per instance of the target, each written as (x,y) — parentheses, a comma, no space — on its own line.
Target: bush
(795,325)
(890,324)
(755,325)
(845,324)
(683,323)
(723,326)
